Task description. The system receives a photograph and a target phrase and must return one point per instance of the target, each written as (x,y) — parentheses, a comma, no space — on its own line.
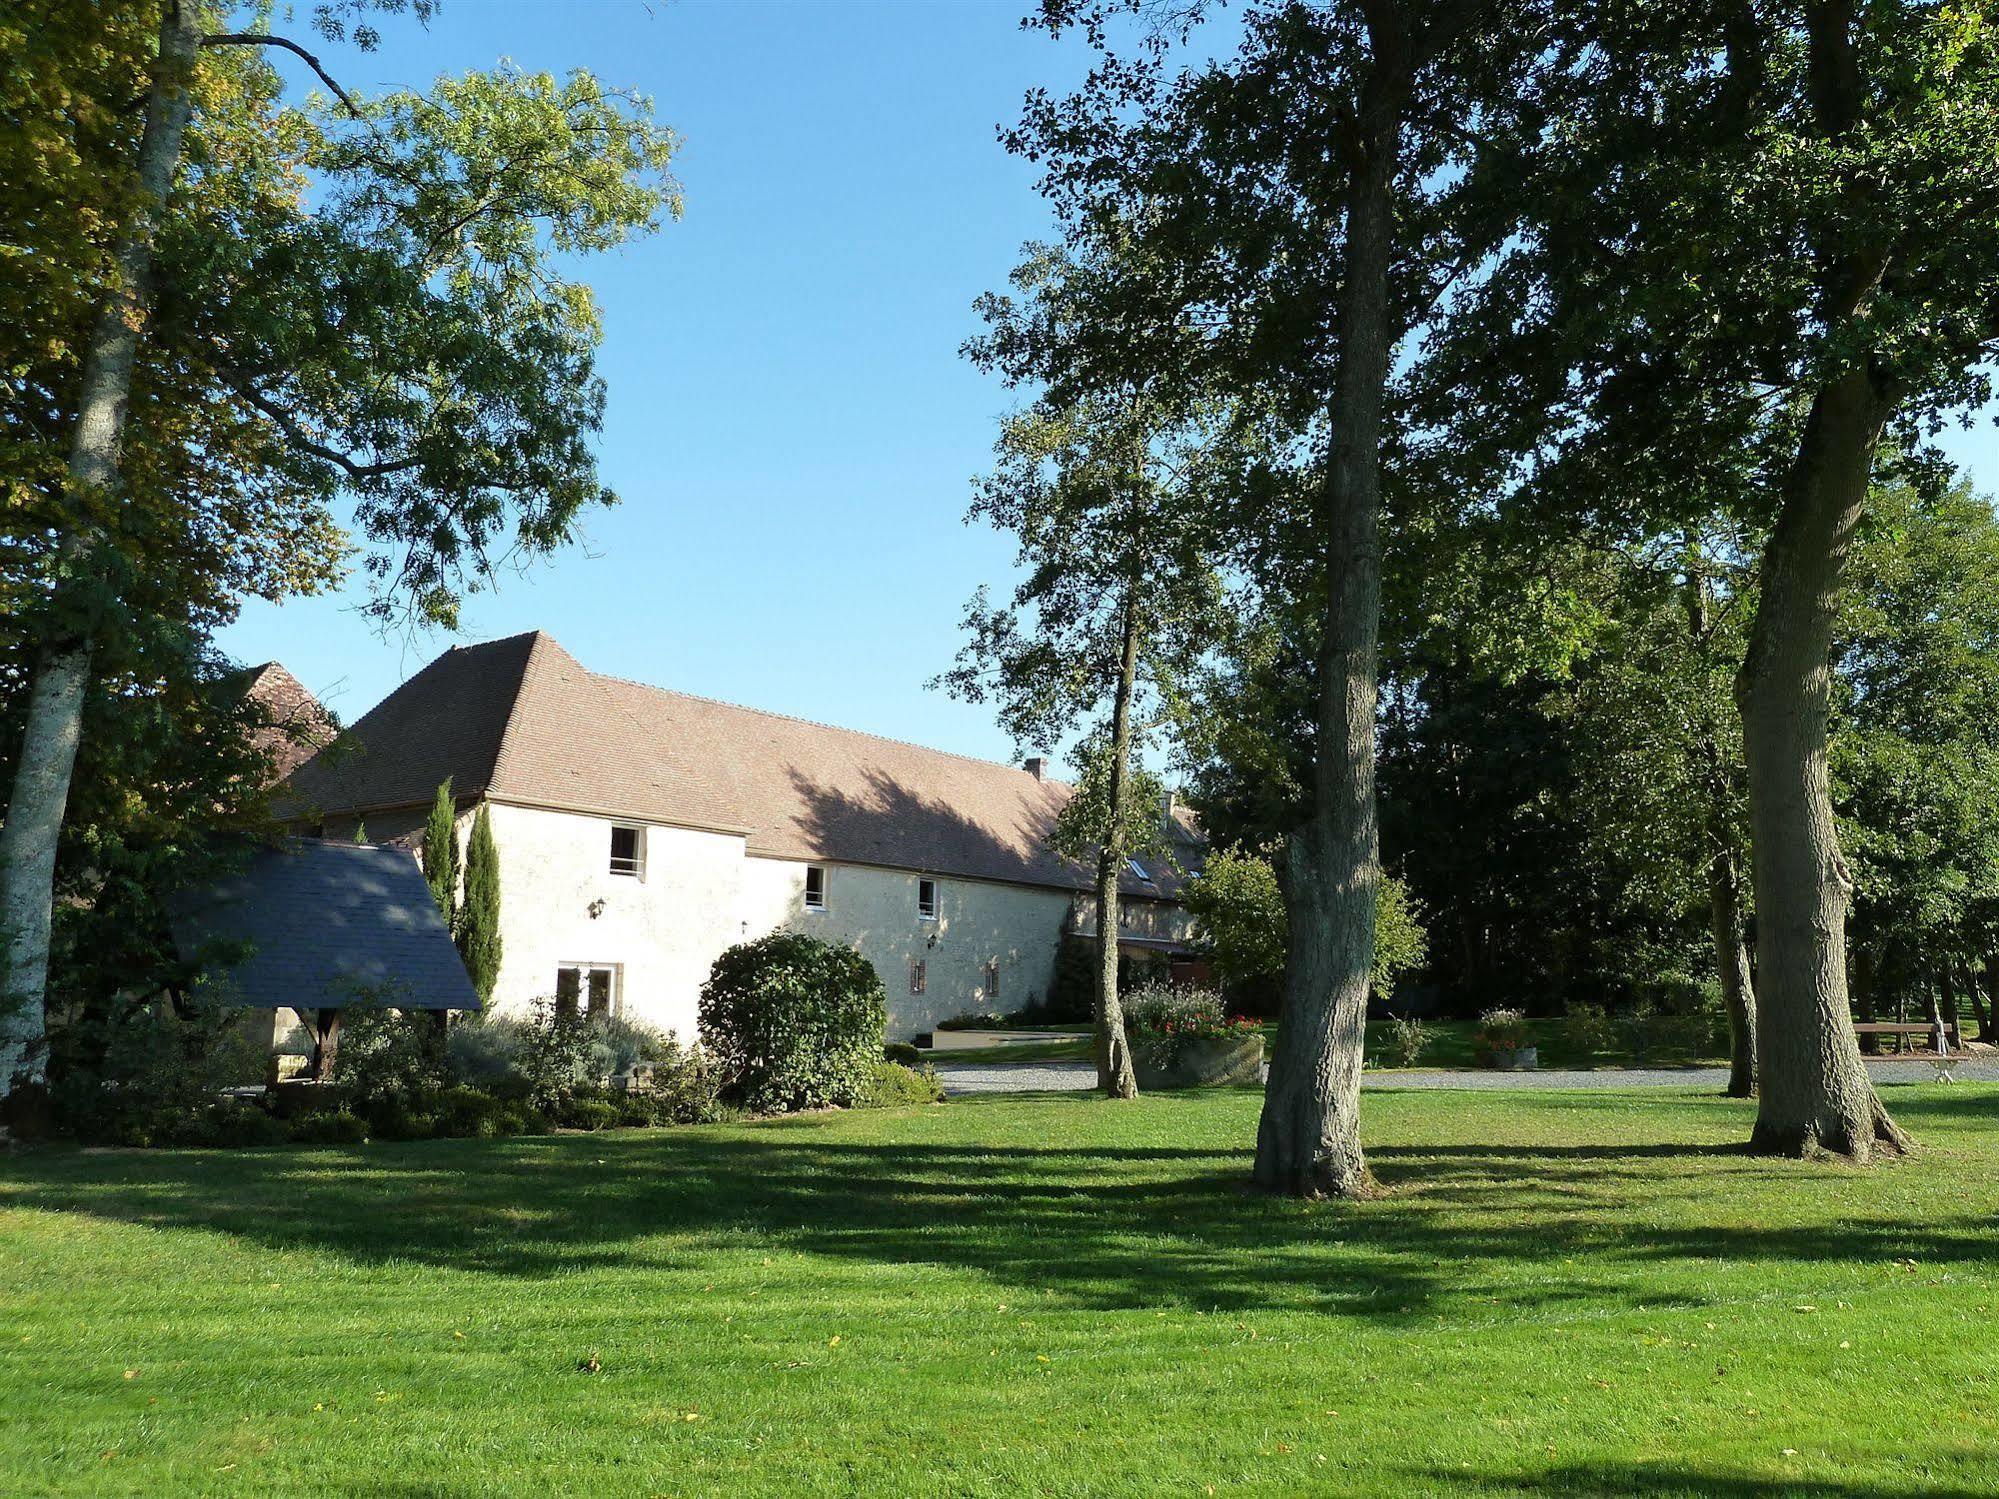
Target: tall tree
(478,928)
(1304,182)
(439,853)
(400,336)
(1101,480)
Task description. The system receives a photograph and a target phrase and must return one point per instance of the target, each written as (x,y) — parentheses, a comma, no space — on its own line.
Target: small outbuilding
(327,925)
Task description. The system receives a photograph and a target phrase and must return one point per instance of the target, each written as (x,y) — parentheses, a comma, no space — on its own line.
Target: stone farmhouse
(642,831)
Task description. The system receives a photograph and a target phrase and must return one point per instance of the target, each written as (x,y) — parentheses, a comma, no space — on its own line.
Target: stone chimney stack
(1169,801)
(1037,766)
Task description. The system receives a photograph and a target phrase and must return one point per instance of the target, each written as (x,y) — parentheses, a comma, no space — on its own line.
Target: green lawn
(1562,1293)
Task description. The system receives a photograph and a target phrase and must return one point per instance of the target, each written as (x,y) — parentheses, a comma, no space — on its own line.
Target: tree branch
(262,39)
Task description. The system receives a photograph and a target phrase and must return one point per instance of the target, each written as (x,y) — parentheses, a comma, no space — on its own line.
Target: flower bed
(1182,1038)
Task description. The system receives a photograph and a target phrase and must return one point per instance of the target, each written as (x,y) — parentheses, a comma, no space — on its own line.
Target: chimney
(1037,766)
(1168,801)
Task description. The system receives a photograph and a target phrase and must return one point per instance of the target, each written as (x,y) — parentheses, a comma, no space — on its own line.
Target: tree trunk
(40,794)
(1863,998)
(1815,1092)
(1113,1048)
(1724,870)
(1308,1140)
(1738,990)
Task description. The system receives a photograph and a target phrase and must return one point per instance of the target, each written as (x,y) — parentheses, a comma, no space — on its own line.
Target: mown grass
(1559,1293)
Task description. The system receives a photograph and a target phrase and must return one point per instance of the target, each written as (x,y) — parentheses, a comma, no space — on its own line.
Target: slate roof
(522,720)
(323,917)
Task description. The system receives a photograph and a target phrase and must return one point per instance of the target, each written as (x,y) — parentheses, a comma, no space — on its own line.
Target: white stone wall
(874,910)
(560,904)
(702,892)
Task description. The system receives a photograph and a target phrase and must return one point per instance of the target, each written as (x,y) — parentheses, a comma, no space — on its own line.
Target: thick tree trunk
(1113,1048)
(1308,1141)
(1815,1093)
(40,794)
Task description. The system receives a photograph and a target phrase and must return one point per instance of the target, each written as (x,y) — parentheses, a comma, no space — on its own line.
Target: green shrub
(149,1074)
(481,1049)
(1588,1029)
(903,1052)
(793,1023)
(463,1112)
(241,1124)
(894,1085)
(682,1086)
(584,1112)
(389,1056)
(329,1127)
(1405,1042)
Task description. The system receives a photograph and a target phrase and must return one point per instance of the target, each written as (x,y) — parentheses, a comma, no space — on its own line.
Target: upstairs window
(628,851)
(926,900)
(916,975)
(1138,869)
(992,978)
(815,888)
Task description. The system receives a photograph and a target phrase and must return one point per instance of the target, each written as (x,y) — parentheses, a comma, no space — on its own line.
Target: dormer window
(628,851)
(926,900)
(815,887)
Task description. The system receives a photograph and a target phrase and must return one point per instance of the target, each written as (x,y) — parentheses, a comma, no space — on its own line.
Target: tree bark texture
(1815,1093)
(1113,1048)
(39,796)
(1308,1140)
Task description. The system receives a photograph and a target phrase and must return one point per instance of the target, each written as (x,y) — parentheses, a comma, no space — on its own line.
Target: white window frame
(811,904)
(583,972)
(926,912)
(1138,869)
(638,832)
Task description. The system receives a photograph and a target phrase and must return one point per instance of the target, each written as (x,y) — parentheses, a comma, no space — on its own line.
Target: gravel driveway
(1078,1077)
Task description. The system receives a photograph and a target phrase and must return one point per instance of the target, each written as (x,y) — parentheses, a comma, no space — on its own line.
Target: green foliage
(1239,906)
(793,1023)
(439,852)
(1407,1039)
(1588,1029)
(1239,913)
(478,929)
(389,1058)
(150,1074)
(896,1085)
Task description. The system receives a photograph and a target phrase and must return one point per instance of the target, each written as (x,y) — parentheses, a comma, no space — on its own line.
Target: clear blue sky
(790,425)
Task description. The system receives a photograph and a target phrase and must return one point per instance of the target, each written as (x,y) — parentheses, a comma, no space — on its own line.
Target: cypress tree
(479,919)
(440,854)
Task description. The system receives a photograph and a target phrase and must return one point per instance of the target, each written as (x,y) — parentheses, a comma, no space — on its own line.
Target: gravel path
(1077,1077)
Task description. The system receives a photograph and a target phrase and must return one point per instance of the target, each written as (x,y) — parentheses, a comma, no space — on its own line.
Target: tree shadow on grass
(1686,1481)
(1104,1227)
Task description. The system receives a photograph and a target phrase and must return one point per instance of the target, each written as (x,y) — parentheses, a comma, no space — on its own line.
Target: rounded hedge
(793,1023)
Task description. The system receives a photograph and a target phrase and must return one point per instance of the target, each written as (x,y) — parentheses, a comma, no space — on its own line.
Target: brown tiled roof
(521,720)
(294,726)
